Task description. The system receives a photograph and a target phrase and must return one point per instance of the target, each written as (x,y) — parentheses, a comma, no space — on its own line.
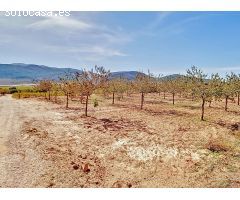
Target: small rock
(122,184)
(50,185)
(85,167)
(235,127)
(75,166)
(32,130)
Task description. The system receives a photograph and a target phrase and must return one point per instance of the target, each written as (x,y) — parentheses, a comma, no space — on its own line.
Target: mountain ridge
(21,73)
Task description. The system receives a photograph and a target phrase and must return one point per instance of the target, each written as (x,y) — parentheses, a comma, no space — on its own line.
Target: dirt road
(9,117)
(13,115)
(21,162)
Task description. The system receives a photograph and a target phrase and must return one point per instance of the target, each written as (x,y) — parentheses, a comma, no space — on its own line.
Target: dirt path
(9,118)
(20,166)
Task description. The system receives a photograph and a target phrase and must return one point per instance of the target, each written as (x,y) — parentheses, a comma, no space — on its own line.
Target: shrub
(12,90)
(3,91)
(95,102)
(27,95)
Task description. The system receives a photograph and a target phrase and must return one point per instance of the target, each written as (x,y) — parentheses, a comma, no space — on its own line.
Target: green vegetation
(95,102)
(26,91)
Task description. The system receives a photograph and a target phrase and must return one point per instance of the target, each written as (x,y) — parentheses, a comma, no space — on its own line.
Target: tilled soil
(44,145)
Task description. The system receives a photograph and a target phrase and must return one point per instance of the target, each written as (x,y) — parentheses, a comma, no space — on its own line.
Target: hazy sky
(164,42)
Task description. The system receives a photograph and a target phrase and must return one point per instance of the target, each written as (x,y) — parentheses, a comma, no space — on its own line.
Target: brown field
(44,145)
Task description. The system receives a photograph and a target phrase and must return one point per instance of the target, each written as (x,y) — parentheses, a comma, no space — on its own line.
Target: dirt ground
(44,145)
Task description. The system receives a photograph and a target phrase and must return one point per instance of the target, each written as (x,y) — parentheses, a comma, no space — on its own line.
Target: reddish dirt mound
(115,125)
(231,126)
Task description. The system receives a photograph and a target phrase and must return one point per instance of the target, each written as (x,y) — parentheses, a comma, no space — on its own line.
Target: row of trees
(193,85)
(79,84)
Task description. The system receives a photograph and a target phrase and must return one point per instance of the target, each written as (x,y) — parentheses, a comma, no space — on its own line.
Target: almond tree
(117,86)
(173,86)
(159,84)
(56,89)
(238,89)
(45,86)
(129,87)
(67,85)
(89,81)
(196,78)
(144,84)
(162,87)
(216,85)
(228,88)
(236,85)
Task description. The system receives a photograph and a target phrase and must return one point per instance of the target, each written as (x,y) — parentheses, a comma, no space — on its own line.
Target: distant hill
(20,73)
(130,75)
(172,77)
(26,73)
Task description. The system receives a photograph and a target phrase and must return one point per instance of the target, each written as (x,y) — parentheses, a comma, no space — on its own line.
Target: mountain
(172,77)
(26,73)
(130,75)
(20,73)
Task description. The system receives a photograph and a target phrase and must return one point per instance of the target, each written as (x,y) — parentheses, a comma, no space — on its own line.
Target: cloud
(79,37)
(86,52)
(60,22)
(73,37)
(160,18)
(70,26)
(162,25)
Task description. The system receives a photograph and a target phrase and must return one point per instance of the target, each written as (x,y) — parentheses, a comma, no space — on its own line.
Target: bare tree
(228,88)
(45,86)
(91,80)
(67,85)
(144,84)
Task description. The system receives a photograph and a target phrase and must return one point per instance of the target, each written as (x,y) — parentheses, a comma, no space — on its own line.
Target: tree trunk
(173,100)
(56,97)
(142,99)
(226,103)
(49,95)
(113,97)
(86,107)
(203,104)
(67,101)
(81,99)
(164,95)
(238,96)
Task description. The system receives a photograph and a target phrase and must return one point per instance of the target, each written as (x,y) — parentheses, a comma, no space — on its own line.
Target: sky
(163,42)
